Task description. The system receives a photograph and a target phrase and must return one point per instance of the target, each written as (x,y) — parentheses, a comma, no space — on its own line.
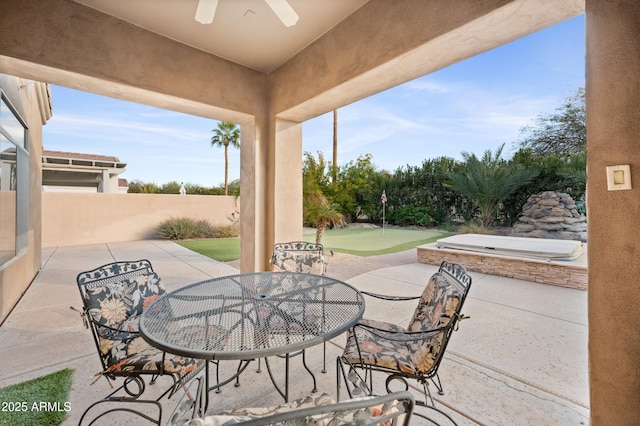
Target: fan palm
(334,165)
(226,134)
(488,181)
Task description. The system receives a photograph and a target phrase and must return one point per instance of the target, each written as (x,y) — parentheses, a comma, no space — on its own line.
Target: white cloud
(422,85)
(406,127)
(93,126)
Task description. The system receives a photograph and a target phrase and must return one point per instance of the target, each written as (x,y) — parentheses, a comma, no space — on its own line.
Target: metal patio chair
(301,256)
(391,409)
(411,353)
(114,296)
(297,256)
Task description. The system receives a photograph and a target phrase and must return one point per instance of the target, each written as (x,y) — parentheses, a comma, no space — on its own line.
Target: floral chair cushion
(244,414)
(389,346)
(387,349)
(114,306)
(137,356)
(437,304)
(291,261)
(367,412)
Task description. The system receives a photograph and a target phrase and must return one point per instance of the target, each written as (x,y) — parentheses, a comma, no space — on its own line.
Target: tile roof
(79,156)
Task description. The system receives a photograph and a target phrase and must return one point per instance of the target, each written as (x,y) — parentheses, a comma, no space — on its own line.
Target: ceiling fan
(207,9)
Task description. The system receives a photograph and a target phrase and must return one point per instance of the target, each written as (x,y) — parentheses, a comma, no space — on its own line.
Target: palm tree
(488,181)
(226,134)
(318,210)
(334,169)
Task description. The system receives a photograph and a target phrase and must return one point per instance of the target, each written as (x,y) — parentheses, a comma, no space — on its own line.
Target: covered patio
(363,48)
(521,358)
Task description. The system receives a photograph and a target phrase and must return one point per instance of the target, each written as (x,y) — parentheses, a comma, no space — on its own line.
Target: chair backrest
(439,307)
(114,296)
(390,409)
(298,256)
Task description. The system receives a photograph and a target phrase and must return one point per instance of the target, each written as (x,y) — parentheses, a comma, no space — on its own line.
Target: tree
(563,133)
(356,187)
(334,170)
(315,172)
(319,211)
(226,134)
(488,181)
(554,172)
(353,189)
(422,193)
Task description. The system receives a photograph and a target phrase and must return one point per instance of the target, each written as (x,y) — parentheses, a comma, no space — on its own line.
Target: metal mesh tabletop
(253,315)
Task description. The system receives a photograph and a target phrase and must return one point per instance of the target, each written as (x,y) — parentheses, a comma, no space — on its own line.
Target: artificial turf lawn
(42,401)
(371,242)
(359,241)
(221,249)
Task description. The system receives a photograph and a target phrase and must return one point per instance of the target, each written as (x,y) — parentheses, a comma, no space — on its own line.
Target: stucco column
(254,232)
(613,130)
(287,181)
(271,176)
(103,182)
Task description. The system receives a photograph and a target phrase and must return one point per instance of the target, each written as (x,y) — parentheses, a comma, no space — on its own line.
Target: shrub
(182,228)
(410,215)
(139,187)
(225,231)
(474,228)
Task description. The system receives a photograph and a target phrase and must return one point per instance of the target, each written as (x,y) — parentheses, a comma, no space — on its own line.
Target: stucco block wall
(7,220)
(91,218)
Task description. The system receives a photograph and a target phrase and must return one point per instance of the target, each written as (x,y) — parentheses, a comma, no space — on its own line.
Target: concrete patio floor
(521,359)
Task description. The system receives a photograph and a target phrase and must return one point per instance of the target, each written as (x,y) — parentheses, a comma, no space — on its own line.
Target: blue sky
(474,106)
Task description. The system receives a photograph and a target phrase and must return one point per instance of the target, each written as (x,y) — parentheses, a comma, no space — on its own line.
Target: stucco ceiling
(243,31)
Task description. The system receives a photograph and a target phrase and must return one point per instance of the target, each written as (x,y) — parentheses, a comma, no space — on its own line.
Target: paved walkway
(354,266)
(520,359)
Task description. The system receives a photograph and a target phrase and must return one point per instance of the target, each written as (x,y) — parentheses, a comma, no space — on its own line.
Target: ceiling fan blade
(206,11)
(285,12)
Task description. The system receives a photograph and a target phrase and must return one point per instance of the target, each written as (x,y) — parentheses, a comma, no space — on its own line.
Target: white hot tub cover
(538,248)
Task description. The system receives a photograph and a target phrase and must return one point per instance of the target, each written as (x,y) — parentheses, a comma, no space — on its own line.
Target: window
(14,182)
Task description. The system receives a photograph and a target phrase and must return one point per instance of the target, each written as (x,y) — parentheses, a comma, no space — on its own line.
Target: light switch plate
(618,177)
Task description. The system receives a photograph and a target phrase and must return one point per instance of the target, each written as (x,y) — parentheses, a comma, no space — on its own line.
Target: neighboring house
(76,172)
(123,186)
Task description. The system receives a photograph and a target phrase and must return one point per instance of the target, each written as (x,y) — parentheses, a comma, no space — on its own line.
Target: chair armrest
(389,297)
(111,333)
(402,335)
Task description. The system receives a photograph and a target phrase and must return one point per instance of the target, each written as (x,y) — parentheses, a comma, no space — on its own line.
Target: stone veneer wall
(544,272)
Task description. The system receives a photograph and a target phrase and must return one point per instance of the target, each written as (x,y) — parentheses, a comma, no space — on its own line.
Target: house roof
(80,159)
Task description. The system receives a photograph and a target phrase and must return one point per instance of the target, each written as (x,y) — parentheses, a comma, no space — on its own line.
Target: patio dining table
(251,316)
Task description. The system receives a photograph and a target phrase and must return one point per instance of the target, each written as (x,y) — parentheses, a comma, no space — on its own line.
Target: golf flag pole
(383,198)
